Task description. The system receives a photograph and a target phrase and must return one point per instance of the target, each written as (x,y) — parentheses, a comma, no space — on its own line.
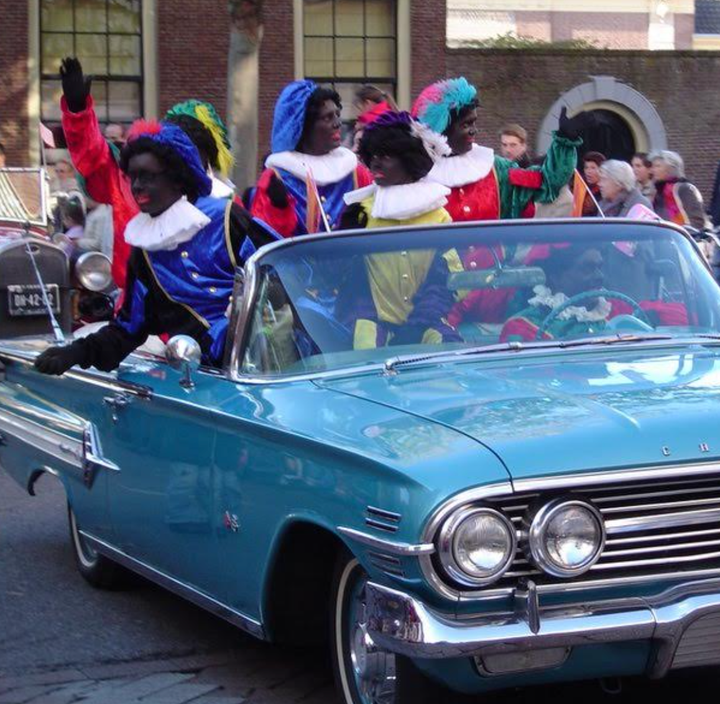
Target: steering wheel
(638,312)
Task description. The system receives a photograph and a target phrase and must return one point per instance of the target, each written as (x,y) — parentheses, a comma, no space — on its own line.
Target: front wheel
(364,672)
(97,569)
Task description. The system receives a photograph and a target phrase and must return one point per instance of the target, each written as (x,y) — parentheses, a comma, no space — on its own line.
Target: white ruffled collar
(545,297)
(325,169)
(220,187)
(454,171)
(178,224)
(409,200)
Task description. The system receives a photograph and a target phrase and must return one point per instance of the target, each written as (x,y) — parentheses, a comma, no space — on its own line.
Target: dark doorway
(611,136)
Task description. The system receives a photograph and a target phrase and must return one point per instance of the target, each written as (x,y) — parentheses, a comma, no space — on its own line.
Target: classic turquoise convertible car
(475,456)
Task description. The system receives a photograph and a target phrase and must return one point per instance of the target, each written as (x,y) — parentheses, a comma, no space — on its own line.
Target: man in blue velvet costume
(185,248)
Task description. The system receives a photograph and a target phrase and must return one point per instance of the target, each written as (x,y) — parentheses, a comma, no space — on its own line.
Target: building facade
(149,54)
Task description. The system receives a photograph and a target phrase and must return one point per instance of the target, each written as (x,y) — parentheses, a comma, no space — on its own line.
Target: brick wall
(427,41)
(192,51)
(277,63)
(520,86)
(621,30)
(14,91)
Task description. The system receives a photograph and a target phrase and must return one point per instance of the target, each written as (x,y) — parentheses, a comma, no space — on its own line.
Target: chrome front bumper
(401,623)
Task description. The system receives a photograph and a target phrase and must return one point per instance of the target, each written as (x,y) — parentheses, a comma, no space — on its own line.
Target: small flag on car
(47,136)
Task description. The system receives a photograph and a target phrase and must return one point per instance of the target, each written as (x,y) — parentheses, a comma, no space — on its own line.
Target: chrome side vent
(382,520)
(389,564)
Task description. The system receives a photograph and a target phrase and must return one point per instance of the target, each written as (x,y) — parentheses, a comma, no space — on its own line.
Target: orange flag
(580,191)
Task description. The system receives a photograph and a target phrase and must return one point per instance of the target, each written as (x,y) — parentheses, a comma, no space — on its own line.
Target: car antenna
(57,330)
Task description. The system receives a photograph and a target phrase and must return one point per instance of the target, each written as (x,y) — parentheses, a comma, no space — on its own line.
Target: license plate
(27,299)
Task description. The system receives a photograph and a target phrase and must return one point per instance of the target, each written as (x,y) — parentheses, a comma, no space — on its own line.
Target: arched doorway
(619,107)
(611,136)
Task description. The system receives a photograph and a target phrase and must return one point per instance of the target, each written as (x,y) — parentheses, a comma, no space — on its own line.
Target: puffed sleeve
(282,220)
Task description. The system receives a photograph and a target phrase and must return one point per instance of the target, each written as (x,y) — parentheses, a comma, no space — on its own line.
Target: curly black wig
(176,168)
(314,104)
(201,137)
(397,141)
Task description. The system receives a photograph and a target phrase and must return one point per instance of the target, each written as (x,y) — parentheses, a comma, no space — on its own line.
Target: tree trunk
(243,81)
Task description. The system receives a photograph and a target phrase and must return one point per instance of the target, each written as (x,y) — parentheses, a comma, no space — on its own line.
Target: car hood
(568,412)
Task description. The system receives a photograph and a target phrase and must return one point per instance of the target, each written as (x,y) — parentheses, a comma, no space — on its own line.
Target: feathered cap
(208,116)
(173,137)
(435,105)
(289,117)
(434,143)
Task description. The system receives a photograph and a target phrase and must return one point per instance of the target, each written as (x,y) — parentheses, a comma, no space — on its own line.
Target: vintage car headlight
(476,545)
(93,271)
(566,537)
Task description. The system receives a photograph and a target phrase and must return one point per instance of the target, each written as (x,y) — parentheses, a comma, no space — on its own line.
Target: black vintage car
(36,274)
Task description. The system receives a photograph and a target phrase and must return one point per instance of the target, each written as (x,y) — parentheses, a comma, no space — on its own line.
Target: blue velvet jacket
(181,291)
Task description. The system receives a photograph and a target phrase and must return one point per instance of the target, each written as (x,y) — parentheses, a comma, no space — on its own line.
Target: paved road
(61,641)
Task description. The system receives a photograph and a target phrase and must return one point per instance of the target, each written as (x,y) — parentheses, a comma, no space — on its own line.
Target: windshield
(337,302)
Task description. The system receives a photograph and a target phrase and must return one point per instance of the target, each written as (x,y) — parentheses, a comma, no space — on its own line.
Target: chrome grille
(654,527)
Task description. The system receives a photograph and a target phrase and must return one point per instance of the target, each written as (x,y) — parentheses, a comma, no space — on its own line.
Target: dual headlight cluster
(477,545)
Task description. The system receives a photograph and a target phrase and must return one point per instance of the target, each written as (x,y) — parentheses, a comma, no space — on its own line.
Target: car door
(161,501)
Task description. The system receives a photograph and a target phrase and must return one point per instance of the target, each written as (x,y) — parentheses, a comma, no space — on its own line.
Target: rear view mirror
(184,355)
(507,277)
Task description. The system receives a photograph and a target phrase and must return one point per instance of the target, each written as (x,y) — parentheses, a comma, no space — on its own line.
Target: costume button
(212,289)
(405,276)
(195,275)
(404,254)
(472,247)
(405,298)
(462,191)
(466,208)
(323,199)
(184,254)
(473,265)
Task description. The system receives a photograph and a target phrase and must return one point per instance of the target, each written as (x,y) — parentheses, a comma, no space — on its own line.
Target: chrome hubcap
(373,667)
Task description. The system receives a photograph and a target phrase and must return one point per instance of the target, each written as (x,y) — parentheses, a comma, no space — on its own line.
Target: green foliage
(512,41)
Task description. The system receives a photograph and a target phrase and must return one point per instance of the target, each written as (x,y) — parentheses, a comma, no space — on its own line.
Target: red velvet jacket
(104,181)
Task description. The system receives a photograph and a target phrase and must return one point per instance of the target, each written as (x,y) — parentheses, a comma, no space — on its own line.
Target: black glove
(76,87)
(571,127)
(277,193)
(57,360)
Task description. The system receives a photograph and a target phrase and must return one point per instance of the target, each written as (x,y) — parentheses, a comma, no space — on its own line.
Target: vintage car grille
(655,527)
(700,644)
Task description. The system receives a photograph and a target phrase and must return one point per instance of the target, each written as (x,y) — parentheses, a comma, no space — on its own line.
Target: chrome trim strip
(403,624)
(663,520)
(658,472)
(59,446)
(386,515)
(386,545)
(237,618)
(95,378)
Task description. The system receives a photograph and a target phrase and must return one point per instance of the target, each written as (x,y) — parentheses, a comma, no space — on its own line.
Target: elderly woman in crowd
(676,199)
(619,190)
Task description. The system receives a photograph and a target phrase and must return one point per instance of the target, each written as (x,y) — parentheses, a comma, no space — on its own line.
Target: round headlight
(93,271)
(566,537)
(476,546)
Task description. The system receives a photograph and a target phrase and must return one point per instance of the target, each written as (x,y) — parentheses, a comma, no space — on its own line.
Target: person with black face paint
(97,159)
(185,247)
(308,170)
(394,298)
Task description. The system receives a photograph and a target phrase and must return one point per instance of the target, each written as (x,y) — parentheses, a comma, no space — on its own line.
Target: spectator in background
(98,234)
(2,155)
(369,103)
(72,217)
(592,161)
(64,180)
(114,132)
(642,166)
(715,202)
(676,199)
(513,145)
(619,189)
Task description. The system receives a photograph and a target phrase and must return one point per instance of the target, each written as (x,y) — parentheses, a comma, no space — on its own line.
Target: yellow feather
(225,157)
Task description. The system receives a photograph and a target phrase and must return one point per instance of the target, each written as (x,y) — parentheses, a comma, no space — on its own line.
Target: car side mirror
(183,354)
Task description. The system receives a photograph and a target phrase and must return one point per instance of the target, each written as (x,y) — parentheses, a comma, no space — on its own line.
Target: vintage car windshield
(335,302)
